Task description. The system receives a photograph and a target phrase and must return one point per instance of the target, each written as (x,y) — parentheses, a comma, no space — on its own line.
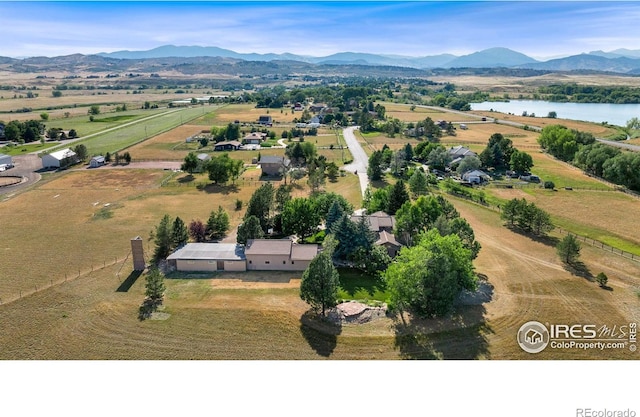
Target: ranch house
(278,255)
(232,145)
(208,257)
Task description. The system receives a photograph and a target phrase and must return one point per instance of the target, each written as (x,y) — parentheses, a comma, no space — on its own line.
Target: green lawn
(356,285)
(119,139)
(23,149)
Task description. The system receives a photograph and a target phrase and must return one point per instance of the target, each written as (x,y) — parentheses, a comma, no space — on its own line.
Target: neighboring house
(232,145)
(382,224)
(273,165)
(59,159)
(298,107)
(388,240)
(460,152)
(254,138)
(265,120)
(208,257)
(278,255)
(317,108)
(97,161)
(476,176)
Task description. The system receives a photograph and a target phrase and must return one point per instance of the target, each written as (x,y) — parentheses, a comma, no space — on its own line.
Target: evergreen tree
(154,287)
(179,233)
(163,239)
(569,249)
(249,229)
(261,204)
(218,224)
(418,183)
(397,197)
(374,171)
(335,213)
(320,282)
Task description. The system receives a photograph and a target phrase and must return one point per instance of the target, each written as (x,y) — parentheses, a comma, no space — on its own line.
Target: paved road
(617,144)
(360,159)
(25,167)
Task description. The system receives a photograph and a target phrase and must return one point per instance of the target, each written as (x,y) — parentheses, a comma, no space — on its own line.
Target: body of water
(615,114)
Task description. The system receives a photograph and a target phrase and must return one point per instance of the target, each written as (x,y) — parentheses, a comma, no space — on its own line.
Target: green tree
(249,229)
(418,183)
(520,161)
(335,213)
(332,171)
(438,158)
(469,163)
(397,197)
(300,218)
(374,171)
(163,239)
(44,116)
(94,110)
(261,204)
(283,195)
(602,279)
(179,233)
(217,224)
(428,277)
(569,249)
(154,286)
(320,282)
(81,152)
(190,163)
(56,93)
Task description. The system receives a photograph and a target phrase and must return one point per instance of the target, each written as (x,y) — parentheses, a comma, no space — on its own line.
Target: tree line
(580,148)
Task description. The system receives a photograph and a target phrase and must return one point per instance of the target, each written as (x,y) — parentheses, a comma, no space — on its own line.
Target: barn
(208,257)
(59,159)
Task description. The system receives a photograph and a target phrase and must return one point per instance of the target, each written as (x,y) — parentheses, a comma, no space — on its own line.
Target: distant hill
(588,62)
(618,53)
(489,58)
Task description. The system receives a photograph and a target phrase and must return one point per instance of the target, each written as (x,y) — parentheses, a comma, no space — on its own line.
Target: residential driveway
(360,159)
(25,167)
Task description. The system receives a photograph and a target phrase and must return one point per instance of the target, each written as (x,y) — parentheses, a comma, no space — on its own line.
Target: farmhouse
(265,120)
(208,257)
(59,159)
(232,145)
(97,161)
(278,255)
(273,165)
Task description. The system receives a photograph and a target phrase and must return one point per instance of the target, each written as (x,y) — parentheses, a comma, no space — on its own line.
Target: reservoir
(615,114)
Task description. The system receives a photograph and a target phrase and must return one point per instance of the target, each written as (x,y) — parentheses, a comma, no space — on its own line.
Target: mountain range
(619,61)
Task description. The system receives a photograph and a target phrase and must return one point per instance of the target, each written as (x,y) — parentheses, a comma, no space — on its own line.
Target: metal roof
(209,251)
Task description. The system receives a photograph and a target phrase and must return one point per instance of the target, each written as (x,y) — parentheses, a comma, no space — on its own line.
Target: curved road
(360,159)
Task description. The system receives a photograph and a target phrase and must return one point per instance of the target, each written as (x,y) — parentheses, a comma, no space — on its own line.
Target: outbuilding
(59,159)
(208,257)
(97,161)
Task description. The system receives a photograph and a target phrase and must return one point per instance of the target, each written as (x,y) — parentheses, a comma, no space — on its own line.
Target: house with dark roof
(273,165)
(458,153)
(382,224)
(232,145)
(265,120)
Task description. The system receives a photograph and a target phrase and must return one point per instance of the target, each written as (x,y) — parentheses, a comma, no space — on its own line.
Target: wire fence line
(69,276)
(587,240)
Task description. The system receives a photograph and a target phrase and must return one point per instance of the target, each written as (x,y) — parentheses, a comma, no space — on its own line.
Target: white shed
(59,159)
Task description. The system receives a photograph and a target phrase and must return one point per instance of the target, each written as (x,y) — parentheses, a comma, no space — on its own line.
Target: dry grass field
(257,317)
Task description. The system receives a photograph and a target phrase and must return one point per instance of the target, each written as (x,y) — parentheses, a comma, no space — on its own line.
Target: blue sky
(418,28)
